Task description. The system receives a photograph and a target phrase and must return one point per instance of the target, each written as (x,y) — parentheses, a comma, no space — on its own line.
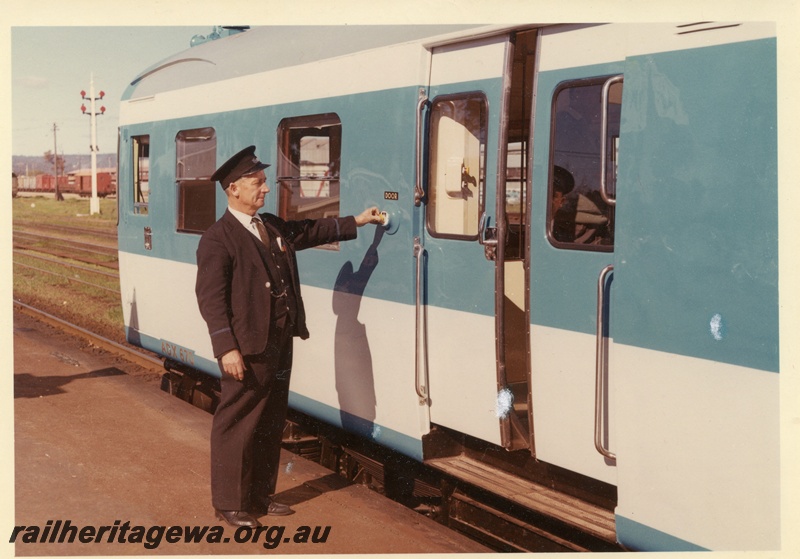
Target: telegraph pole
(59,197)
(94,205)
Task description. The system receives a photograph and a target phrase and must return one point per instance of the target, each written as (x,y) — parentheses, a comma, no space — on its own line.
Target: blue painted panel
(563,281)
(162,203)
(378,140)
(639,537)
(697,237)
(377,157)
(458,275)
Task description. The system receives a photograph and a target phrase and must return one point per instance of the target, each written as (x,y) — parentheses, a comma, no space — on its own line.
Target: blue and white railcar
(623,327)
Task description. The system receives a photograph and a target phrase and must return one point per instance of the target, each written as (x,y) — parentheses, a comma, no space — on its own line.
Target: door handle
(486,235)
(600,366)
(419,191)
(604,134)
(420,331)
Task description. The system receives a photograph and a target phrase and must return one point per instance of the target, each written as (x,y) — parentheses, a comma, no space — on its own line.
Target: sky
(51,65)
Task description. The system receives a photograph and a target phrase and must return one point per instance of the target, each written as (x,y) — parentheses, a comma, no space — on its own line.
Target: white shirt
(246,221)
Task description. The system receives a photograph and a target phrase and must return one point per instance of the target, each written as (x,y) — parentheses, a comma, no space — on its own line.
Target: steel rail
(132,355)
(87,247)
(77,252)
(94,285)
(23,223)
(67,264)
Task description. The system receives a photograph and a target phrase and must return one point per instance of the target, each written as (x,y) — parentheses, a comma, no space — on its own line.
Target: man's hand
(233,364)
(370,215)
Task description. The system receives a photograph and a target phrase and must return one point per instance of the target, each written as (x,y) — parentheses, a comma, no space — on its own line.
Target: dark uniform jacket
(236,277)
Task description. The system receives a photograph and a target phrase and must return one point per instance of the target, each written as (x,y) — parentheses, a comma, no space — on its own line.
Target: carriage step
(544,502)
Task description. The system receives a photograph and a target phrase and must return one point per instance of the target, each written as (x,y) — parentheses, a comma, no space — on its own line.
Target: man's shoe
(271,507)
(237,518)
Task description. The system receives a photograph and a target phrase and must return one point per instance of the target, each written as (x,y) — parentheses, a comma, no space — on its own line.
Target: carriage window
(141,174)
(456,172)
(516,178)
(309,154)
(578,217)
(196,154)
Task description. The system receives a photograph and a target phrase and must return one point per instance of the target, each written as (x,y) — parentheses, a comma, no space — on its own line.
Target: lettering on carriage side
(387,195)
(177,352)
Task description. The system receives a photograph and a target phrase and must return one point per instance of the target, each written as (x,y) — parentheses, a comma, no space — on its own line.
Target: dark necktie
(262,231)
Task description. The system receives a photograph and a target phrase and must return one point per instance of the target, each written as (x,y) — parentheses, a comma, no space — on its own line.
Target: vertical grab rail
(420,330)
(604,133)
(419,192)
(600,366)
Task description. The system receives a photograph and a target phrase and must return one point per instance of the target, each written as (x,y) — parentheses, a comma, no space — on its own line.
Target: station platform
(98,444)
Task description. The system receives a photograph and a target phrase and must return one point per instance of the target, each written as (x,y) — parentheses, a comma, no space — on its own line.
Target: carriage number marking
(390,196)
(178,352)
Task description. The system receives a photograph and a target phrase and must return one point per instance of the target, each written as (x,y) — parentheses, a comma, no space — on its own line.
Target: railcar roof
(267,48)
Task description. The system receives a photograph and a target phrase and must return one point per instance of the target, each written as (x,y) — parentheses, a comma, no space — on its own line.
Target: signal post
(94,204)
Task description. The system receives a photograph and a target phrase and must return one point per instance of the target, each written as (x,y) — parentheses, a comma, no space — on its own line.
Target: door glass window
(456,165)
(578,216)
(196,152)
(516,179)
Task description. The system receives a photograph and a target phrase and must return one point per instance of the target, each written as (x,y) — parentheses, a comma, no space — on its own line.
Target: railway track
(136,356)
(68,253)
(69,278)
(85,231)
(51,256)
(63,258)
(66,264)
(91,248)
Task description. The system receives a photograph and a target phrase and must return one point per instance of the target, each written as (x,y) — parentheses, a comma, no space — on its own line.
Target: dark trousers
(248,426)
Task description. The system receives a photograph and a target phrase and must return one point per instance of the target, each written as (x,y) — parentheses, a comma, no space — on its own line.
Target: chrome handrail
(420,337)
(599,366)
(419,192)
(603,134)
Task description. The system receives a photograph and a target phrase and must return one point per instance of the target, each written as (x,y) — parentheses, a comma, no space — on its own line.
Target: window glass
(578,217)
(456,165)
(196,159)
(141,174)
(516,179)
(309,155)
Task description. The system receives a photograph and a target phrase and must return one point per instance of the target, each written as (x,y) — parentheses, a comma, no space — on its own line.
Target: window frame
(481,178)
(186,184)
(611,153)
(140,207)
(289,180)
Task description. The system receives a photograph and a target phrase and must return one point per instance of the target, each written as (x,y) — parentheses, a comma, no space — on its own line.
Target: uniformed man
(248,292)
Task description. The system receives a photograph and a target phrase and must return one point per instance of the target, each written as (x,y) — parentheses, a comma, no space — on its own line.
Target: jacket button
(267,285)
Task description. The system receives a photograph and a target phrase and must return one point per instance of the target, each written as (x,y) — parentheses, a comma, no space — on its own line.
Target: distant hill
(36,165)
